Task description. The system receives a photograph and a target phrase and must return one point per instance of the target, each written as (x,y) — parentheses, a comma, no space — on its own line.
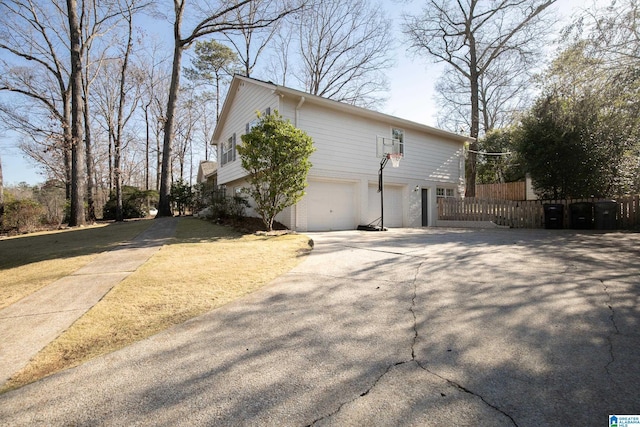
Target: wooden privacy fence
(505,191)
(530,214)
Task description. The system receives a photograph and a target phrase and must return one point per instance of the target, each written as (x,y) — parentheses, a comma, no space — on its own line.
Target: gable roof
(206,169)
(330,104)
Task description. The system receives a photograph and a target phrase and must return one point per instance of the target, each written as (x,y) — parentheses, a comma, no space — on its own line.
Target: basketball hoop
(395,159)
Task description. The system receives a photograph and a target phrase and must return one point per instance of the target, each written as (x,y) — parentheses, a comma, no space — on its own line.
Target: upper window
(253,123)
(228,150)
(398,134)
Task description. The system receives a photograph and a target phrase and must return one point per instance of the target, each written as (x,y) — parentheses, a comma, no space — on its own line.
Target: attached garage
(331,205)
(393,212)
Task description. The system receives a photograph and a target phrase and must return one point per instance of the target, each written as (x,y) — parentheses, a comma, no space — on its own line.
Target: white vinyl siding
(249,99)
(346,144)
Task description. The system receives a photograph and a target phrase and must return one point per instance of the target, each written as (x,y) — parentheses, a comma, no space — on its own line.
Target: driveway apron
(408,327)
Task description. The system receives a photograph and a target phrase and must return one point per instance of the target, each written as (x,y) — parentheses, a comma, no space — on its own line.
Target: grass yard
(204,267)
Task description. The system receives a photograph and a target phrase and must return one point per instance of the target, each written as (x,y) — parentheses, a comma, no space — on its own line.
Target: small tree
(134,202)
(276,155)
(182,195)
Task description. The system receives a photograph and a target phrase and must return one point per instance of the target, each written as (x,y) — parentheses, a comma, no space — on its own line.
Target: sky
(411,91)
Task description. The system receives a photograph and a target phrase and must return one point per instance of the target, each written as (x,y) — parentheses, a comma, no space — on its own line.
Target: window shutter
(233,148)
(268,111)
(246,128)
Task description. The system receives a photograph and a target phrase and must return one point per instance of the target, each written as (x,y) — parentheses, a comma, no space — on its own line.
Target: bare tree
(250,41)
(471,37)
(613,32)
(343,47)
(35,69)
(1,193)
(503,91)
(189,112)
(280,63)
(220,18)
(42,44)
(78,167)
(152,63)
(90,27)
(117,94)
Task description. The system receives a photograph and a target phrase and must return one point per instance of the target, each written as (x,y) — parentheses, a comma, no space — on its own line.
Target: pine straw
(206,267)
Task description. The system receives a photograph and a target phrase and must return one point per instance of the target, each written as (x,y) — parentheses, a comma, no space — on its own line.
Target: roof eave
(352,109)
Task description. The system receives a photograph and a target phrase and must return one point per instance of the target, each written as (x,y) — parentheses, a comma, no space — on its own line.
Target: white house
(343,181)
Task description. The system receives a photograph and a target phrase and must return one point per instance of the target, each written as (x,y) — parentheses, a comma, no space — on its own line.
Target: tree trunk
(110,137)
(158,162)
(118,180)
(147,147)
(164,204)
(470,170)
(67,140)
(120,125)
(1,194)
(91,207)
(78,172)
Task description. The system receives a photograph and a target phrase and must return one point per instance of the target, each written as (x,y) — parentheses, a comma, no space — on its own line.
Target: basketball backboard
(386,146)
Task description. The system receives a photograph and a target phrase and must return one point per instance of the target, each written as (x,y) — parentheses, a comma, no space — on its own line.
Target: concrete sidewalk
(27,326)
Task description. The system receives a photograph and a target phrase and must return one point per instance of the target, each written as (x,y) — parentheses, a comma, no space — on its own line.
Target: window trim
(228,150)
(447,193)
(400,131)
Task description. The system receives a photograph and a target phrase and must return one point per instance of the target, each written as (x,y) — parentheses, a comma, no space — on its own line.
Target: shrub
(134,203)
(224,207)
(51,195)
(22,215)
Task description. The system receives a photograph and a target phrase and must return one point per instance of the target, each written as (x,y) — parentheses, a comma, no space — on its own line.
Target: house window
(253,123)
(228,150)
(445,193)
(398,134)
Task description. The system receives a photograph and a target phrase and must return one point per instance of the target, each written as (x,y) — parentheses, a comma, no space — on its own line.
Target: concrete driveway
(408,327)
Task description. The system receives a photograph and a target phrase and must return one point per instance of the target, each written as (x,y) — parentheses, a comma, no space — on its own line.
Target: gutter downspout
(302,99)
(295,207)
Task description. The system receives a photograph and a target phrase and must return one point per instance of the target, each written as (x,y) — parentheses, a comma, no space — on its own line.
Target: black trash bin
(606,215)
(581,214)
(553,215)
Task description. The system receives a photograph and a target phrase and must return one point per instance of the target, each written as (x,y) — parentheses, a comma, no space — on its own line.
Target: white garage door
(331,206)
(392,205)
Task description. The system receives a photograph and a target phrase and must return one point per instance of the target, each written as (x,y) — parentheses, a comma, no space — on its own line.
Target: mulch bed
(250,225)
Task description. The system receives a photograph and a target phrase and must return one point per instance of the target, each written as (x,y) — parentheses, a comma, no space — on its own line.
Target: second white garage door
(331,205)
(392,205)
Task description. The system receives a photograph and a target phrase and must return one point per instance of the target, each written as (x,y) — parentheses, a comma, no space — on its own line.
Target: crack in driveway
(413,358)
(612,318)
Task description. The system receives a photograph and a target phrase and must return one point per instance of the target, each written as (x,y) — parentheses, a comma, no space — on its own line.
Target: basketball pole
(383,163)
